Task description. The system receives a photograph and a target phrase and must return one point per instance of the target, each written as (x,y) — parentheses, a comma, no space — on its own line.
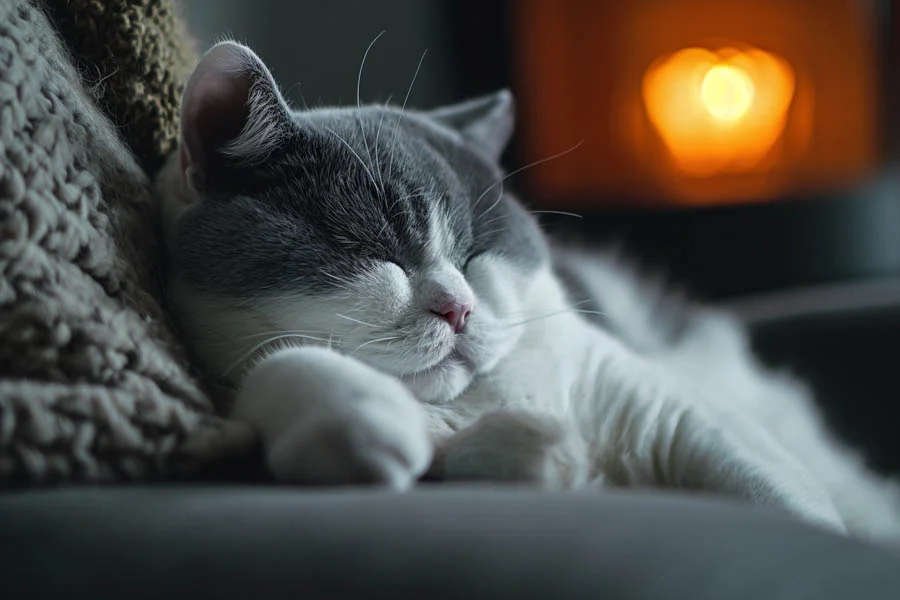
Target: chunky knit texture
(93,385)
(137,56)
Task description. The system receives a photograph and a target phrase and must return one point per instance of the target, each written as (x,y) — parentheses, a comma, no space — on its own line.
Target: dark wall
(315,47)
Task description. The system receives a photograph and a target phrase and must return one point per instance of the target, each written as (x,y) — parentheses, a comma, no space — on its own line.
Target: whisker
(377,136)
(556,212)
(528,166)
(496,202)
(358,85)
(281,332)
(364,344)
(361,161)
(557,313)
(355,320)
(570,307)
(492,231)
(547,316)
(494,220)
(264,343)
(402,111)
(591,312)
(579,303)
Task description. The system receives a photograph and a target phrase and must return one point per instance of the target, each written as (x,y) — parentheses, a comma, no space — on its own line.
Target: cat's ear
(487,121)
(232,112)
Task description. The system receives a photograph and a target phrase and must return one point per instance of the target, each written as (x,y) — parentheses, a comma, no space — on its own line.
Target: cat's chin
(441,383)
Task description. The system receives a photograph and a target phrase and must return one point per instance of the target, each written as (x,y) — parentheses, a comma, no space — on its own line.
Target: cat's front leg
(328,419)
(513,446)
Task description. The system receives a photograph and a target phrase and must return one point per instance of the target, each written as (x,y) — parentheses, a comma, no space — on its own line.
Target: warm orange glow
(727,92)
(805,115)
(719,111)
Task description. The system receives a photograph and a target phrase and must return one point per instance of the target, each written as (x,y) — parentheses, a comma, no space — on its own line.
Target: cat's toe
(371,441)
(348,454)
(391,469)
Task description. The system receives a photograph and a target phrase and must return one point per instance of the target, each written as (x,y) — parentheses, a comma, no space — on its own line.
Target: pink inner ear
(215,107)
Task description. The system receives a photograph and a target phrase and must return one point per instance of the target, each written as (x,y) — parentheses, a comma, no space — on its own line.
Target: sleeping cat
(380,309)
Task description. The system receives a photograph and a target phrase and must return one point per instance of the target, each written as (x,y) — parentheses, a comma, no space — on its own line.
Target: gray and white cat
(381,309)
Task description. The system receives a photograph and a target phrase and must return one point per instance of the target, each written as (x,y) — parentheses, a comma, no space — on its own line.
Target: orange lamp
(718,111)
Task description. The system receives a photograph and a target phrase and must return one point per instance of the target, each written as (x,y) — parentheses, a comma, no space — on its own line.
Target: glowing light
(718,111)
(727,92)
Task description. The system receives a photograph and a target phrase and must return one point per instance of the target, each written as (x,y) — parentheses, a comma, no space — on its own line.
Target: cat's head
(383,233)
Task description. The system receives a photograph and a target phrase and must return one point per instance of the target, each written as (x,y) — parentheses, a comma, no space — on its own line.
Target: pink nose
(455,313)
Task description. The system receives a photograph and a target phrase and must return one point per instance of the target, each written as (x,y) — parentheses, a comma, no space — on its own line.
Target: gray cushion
(432,543)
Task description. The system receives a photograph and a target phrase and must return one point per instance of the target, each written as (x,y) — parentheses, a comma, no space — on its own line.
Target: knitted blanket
(94,386)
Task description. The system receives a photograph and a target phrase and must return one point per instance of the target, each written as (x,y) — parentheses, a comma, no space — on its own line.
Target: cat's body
(378,307)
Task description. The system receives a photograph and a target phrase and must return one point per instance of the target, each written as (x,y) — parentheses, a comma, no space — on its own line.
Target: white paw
(327,419)
(516,446)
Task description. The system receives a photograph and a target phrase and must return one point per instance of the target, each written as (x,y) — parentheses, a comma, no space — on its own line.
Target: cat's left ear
(487,122)
(232,113)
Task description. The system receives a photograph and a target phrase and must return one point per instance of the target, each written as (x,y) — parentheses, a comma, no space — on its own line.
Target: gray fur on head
(289,192)
(268,203)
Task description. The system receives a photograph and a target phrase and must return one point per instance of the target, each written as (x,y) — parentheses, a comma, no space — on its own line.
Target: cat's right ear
(232,113)
(486,122)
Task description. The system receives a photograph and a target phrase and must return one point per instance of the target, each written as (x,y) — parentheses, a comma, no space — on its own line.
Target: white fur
(328,419)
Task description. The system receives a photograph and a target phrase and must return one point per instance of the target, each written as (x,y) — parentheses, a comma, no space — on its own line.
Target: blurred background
(748,149)
(742,145)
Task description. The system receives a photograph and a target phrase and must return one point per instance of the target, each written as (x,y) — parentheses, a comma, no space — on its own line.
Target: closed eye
(472,256)
(398,264)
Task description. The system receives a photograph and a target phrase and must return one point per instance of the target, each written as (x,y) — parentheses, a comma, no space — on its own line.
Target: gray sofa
(240,542)
(259,541)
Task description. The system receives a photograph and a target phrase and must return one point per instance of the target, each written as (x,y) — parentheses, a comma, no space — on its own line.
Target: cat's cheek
(498,286)
(487,341)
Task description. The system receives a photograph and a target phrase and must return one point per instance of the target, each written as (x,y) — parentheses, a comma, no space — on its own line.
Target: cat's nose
(453,311)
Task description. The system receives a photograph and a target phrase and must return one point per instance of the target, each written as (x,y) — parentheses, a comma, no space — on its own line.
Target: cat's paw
(334,421)
(516,446)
